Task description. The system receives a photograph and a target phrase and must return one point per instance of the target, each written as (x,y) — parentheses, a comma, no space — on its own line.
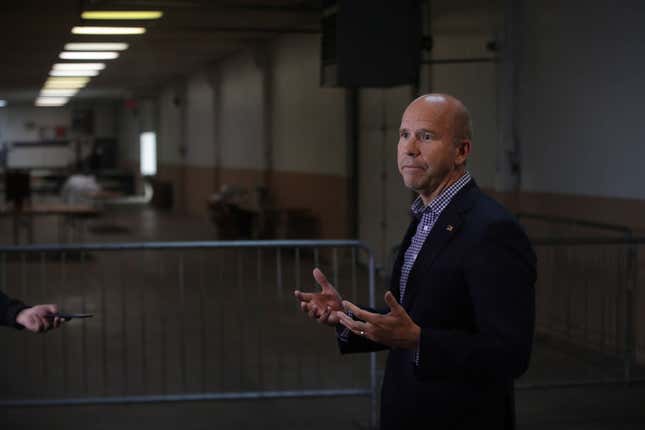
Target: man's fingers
(43,323)
(303,297)
(360,313)
(312,311)
(324,316)
(321,279)
(357,327)
(392,302)
(50,309)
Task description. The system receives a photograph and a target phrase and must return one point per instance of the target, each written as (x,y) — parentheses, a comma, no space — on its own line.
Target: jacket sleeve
(9,310)
(500,274)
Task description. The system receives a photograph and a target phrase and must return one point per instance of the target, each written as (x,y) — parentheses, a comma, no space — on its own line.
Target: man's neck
(450,179)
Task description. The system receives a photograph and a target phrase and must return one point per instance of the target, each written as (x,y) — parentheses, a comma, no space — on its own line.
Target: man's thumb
(321,279)
(391,301)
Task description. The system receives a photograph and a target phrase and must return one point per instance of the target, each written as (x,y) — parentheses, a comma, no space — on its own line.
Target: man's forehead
(417,123)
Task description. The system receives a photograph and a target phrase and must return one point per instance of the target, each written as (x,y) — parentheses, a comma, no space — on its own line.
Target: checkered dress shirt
(428,217)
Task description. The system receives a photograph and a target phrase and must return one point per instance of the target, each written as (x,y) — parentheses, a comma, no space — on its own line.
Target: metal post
(373,385)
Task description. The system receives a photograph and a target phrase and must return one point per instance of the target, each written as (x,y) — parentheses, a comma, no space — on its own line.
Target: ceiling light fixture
(74,73)
(96,46)
(61,86)
(108,30)
(122,14)
(58,92)
(88,55)
(79,66)
(3,103)
(66,83)
(80,80)
(51,101)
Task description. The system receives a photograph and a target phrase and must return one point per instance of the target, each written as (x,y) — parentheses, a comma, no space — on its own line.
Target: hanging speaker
(371,43)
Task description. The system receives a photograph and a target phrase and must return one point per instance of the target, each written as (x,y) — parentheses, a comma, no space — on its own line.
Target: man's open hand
(322,306)
(394,329)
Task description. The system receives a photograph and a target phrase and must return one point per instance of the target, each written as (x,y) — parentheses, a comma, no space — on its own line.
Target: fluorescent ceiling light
(68,83)
(74,73)
(3,103)
(79,66)
(58,92)
(51,101)
(96,46)
(62,86)
(108,30)
(79,80)
(122,14)
(88,55)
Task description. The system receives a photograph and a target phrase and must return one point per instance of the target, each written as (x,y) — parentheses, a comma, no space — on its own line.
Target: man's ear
(463,151)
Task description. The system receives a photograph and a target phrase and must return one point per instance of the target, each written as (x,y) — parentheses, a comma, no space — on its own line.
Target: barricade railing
(586,301)
(183,321)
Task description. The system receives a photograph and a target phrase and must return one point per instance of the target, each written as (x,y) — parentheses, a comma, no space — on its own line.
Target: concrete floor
(144,321)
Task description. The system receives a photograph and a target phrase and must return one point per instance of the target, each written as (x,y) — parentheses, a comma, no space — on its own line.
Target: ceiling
(191,33)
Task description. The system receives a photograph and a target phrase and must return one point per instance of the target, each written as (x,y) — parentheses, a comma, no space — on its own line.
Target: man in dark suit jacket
(461,305)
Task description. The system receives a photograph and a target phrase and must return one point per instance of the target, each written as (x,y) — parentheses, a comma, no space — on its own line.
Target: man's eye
(426,136)
(404,134)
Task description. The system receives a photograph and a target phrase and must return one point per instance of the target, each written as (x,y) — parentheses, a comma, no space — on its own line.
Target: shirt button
(425,228)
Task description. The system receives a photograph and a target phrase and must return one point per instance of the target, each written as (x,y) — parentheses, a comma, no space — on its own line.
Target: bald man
(38,318)
(460,318)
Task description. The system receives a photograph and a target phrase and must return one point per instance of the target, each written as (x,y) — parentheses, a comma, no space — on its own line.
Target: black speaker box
(371,43)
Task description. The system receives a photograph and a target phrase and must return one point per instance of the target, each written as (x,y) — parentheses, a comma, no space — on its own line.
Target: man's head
(434,143)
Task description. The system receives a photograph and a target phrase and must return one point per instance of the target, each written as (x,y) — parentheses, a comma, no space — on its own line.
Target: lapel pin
(449,227)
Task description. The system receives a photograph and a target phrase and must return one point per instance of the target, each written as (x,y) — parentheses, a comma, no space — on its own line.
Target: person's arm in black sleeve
(500,274)
(9,310)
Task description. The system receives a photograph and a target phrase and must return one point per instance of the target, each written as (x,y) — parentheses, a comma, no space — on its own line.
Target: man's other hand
(322,306)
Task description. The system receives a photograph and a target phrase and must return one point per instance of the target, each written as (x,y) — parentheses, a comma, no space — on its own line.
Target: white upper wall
(169,128)
(240,133)
(475,84)
(582,95)
(199,121)
(308,121)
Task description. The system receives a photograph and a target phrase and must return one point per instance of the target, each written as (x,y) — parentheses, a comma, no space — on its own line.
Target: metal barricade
(183,321)
(586,297)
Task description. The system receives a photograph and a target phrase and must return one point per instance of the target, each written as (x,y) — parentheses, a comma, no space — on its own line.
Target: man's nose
(410,146)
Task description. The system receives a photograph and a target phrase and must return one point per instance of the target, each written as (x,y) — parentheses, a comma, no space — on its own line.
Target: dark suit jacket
(9,309)
(471,291)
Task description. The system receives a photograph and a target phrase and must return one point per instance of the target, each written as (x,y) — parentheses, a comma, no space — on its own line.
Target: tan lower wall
(324,195)
(627,212)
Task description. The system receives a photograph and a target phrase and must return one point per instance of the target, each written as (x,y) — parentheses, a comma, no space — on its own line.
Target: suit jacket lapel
(444,229)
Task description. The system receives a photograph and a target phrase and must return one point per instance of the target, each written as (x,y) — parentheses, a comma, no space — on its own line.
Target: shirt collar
(439,203)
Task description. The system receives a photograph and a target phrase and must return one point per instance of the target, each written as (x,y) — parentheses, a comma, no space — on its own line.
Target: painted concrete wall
(581,98)
(309,121)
